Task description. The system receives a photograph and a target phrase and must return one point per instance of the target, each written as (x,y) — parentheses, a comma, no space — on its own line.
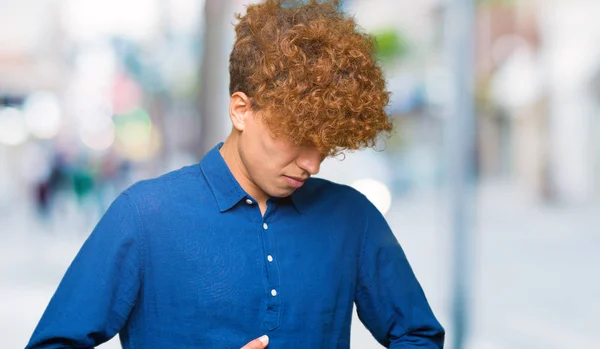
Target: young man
(245,244)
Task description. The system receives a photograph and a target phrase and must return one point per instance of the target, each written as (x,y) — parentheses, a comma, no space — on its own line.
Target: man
(245,244)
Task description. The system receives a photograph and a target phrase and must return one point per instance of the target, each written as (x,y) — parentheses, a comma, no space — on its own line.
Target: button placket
(273,303)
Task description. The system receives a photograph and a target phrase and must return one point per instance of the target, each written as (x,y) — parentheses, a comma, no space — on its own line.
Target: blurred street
(536,284)
(500,95)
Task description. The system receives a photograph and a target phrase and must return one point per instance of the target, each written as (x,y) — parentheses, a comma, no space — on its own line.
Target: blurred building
(538,104)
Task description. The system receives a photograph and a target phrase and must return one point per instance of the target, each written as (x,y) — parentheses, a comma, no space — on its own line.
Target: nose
(310,160)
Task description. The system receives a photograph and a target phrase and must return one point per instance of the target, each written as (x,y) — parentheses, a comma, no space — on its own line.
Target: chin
(282,192)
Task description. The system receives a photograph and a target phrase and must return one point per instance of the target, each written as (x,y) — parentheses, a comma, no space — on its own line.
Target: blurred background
(491,181)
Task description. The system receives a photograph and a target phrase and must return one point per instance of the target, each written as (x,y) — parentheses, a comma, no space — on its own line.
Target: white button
(270,258)
(265,226)
(273,292)
(249,202)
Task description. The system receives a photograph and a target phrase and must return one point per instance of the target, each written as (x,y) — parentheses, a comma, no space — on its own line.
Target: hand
(258,343)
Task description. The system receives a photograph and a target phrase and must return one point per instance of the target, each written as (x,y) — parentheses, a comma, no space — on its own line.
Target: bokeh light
(42,113)
(377,192)
(100,138)
(13,129)
(137,139)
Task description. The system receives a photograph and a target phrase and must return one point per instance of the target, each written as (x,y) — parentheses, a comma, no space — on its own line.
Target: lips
(299,179)
(295,182)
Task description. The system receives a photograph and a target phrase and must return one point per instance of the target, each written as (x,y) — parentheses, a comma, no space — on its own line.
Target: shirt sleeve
(99,289)
(390,301)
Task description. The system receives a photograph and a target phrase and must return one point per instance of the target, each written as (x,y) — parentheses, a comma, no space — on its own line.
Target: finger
(258,343)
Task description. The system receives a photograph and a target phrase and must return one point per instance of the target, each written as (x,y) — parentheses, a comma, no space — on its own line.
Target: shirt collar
(226,189)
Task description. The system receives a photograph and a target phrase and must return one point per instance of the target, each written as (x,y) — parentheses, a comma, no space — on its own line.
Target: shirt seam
(140,246)
(361,257)
(182,172)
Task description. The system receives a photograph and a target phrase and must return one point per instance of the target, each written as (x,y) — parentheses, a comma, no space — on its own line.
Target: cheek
(270,156)
(277,155)
(260,165)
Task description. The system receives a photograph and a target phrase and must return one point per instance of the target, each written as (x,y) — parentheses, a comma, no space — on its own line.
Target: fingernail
(264,339)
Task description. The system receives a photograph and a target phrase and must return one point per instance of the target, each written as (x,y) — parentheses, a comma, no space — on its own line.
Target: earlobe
(239,107)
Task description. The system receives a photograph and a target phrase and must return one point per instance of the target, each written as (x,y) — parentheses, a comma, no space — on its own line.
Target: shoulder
(155,192)
(326,192)
(165,181)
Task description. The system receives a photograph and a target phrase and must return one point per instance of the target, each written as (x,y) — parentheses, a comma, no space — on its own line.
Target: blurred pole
(214,75)
(460,50)
(4,180)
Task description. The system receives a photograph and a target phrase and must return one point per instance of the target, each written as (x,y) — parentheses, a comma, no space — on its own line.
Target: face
(275,166)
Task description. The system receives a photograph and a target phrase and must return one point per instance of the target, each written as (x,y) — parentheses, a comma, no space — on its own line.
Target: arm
(99,289)
(389,299)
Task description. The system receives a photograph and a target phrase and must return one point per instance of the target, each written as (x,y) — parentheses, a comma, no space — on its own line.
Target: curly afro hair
(313,71)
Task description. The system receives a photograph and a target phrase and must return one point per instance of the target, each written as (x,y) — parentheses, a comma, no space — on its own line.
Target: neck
(229,152)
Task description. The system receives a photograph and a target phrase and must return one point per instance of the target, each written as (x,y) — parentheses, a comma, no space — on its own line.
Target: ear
(239,110)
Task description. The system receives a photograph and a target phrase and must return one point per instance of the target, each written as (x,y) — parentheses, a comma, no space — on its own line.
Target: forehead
(270,123)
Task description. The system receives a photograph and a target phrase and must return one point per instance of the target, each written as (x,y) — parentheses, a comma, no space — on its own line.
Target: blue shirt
(187,260)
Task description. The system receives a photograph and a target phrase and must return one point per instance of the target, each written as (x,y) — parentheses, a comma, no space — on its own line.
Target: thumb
(258,343)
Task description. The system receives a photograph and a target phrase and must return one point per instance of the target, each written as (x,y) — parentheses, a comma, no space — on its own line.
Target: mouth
(295,182)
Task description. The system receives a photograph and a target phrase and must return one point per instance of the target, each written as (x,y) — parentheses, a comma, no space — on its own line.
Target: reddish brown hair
(313,72)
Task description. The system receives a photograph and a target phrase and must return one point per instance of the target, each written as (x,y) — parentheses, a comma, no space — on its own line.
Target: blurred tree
(391,45)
